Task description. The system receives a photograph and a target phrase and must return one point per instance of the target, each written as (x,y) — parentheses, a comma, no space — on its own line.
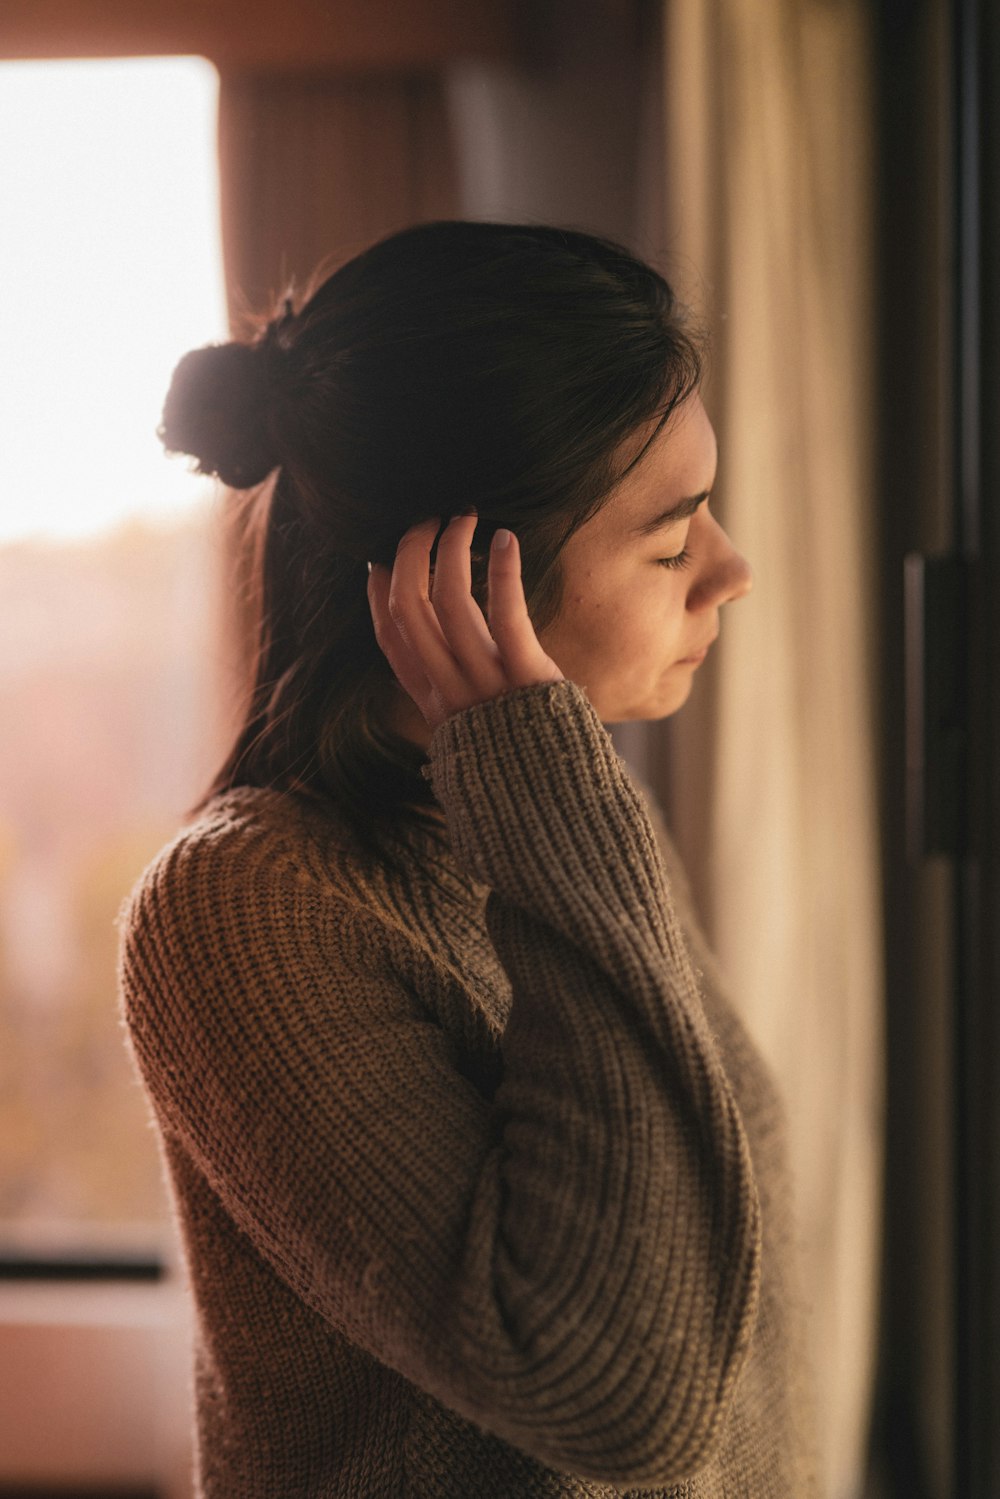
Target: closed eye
(680,559)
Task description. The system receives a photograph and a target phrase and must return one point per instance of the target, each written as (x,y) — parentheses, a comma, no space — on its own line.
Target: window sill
(94,1379)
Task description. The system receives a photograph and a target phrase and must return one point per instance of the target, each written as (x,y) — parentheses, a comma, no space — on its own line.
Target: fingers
(454,563)
(433,632)
(510,624)
(459,616)
(410,607)
(406,666)
(440,649)
(447,632)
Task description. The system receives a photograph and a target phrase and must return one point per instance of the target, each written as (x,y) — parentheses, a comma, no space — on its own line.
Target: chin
(659,705)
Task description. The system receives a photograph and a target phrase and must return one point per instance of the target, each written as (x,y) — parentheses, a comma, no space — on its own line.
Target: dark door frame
(936,1429)
(976,354)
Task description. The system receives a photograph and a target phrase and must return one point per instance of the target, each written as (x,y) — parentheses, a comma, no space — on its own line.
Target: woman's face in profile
(641,599)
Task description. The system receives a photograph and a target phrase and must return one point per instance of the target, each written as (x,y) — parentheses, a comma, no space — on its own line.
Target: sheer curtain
(769,773)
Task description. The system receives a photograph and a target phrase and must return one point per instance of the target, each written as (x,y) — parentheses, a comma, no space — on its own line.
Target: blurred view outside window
(110,656)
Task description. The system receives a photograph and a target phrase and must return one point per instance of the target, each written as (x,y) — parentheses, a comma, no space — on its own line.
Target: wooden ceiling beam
(317,36)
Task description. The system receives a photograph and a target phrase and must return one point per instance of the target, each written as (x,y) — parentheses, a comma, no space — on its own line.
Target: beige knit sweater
(480,1180)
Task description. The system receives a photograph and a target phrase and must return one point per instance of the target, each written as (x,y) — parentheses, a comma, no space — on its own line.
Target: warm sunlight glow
(111,269)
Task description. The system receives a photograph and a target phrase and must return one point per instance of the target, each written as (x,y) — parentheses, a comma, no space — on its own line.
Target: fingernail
(501,539)
(471,511)
(369,569)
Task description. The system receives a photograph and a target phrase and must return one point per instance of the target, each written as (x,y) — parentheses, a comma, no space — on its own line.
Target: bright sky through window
(110,269)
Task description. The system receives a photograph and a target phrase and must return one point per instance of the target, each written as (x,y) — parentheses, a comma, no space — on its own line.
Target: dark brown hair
(453,364)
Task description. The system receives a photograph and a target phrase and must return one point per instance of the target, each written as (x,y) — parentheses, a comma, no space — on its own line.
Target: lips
(698,656)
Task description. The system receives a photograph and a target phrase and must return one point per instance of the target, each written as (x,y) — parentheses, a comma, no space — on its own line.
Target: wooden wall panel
(264,35)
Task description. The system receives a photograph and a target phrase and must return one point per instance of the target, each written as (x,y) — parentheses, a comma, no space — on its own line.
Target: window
(112,678)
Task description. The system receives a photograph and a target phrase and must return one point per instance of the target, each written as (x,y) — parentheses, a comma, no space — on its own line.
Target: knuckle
(418,535)
(396,607)
(505,629)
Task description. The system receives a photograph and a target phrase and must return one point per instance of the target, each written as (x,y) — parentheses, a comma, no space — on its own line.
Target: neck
(404,718)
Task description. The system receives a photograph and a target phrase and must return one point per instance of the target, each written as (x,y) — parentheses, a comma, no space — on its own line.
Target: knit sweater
(481,1183)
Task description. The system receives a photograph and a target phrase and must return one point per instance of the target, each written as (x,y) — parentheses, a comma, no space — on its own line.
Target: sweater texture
(481,1183)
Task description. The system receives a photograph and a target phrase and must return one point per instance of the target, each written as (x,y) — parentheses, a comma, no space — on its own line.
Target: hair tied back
(220,405)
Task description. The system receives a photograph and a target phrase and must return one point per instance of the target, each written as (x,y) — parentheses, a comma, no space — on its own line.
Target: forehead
(680,461)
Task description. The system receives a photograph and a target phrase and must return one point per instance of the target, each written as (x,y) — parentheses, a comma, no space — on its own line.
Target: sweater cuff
(521,770)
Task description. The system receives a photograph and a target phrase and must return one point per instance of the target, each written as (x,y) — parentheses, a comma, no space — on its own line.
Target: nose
(726,575)
(739,577)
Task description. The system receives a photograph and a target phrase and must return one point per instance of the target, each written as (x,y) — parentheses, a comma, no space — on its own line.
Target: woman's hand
(434,634)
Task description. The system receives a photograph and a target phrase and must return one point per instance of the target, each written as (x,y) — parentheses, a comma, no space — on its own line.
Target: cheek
(589,619)
(652,606)
(631,635)
(576,634)
(614,622)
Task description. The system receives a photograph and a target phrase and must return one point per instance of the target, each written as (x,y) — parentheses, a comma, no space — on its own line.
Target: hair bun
(217,410)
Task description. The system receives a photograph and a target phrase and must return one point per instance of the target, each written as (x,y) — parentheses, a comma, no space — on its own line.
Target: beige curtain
(313,170)
(769,773)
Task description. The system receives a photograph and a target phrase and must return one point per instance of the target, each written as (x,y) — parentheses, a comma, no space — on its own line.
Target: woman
(480,1181)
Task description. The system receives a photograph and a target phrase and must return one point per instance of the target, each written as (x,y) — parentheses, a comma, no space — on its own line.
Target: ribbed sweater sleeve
(626,1245)
(574,1263)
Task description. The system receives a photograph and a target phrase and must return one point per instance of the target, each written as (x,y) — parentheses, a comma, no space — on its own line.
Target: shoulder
(249,833)
(251,972)
(248,925)
(252,860)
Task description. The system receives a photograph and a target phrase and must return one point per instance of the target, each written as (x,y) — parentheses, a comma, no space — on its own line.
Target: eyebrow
(682,510)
